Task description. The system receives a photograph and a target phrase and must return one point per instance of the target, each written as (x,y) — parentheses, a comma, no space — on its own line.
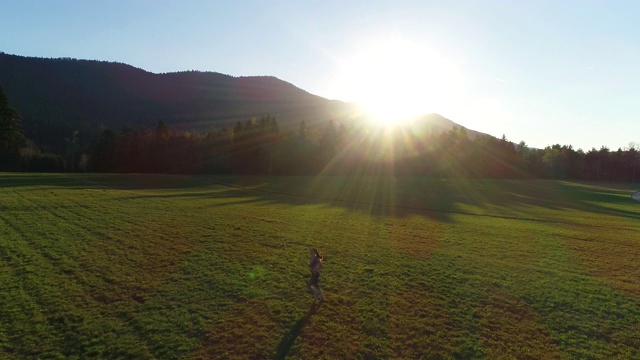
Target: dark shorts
(314,279)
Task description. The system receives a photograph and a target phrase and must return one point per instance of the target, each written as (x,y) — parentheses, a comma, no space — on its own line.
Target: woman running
(315,264)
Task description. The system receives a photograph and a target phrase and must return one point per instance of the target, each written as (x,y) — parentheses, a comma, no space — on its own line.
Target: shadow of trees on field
(377,197)
(290,338)
(11,180)
(602,198)
(102,181)
(436,198)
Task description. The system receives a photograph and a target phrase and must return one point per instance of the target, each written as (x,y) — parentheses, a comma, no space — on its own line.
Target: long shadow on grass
(439,199)
(432,198)
(593,197)
(111,181)
(290,338)
(41,180)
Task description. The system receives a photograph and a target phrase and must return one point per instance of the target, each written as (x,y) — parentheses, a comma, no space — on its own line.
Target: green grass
(142,266)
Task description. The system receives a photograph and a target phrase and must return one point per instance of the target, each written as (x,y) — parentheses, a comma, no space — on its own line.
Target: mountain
(438,123)
(58,96)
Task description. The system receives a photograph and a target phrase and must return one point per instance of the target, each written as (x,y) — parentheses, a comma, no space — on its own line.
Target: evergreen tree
(103,151)
(11,136)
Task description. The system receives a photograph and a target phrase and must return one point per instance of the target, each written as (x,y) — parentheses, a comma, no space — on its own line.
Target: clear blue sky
(544,72)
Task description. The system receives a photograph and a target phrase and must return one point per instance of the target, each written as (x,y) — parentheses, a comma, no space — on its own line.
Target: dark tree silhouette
(12,138)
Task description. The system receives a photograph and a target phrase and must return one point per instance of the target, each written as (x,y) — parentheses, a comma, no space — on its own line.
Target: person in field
(315,264)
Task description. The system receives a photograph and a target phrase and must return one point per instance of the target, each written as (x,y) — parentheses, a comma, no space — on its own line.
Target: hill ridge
(59,95)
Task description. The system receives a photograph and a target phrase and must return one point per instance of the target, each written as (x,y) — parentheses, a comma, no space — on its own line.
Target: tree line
(259,146)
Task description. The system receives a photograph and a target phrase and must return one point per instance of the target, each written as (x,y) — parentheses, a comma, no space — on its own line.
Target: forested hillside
(259,146)
(79,115)
(59,96)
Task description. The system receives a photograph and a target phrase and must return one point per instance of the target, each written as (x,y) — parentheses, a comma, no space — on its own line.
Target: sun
(395,79)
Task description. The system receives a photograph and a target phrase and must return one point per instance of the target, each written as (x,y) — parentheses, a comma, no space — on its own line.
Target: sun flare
(396,79)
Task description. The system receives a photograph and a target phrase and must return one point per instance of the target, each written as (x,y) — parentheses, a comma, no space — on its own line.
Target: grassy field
(168,267)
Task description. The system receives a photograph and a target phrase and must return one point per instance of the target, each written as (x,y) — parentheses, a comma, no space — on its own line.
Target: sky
(544,72)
